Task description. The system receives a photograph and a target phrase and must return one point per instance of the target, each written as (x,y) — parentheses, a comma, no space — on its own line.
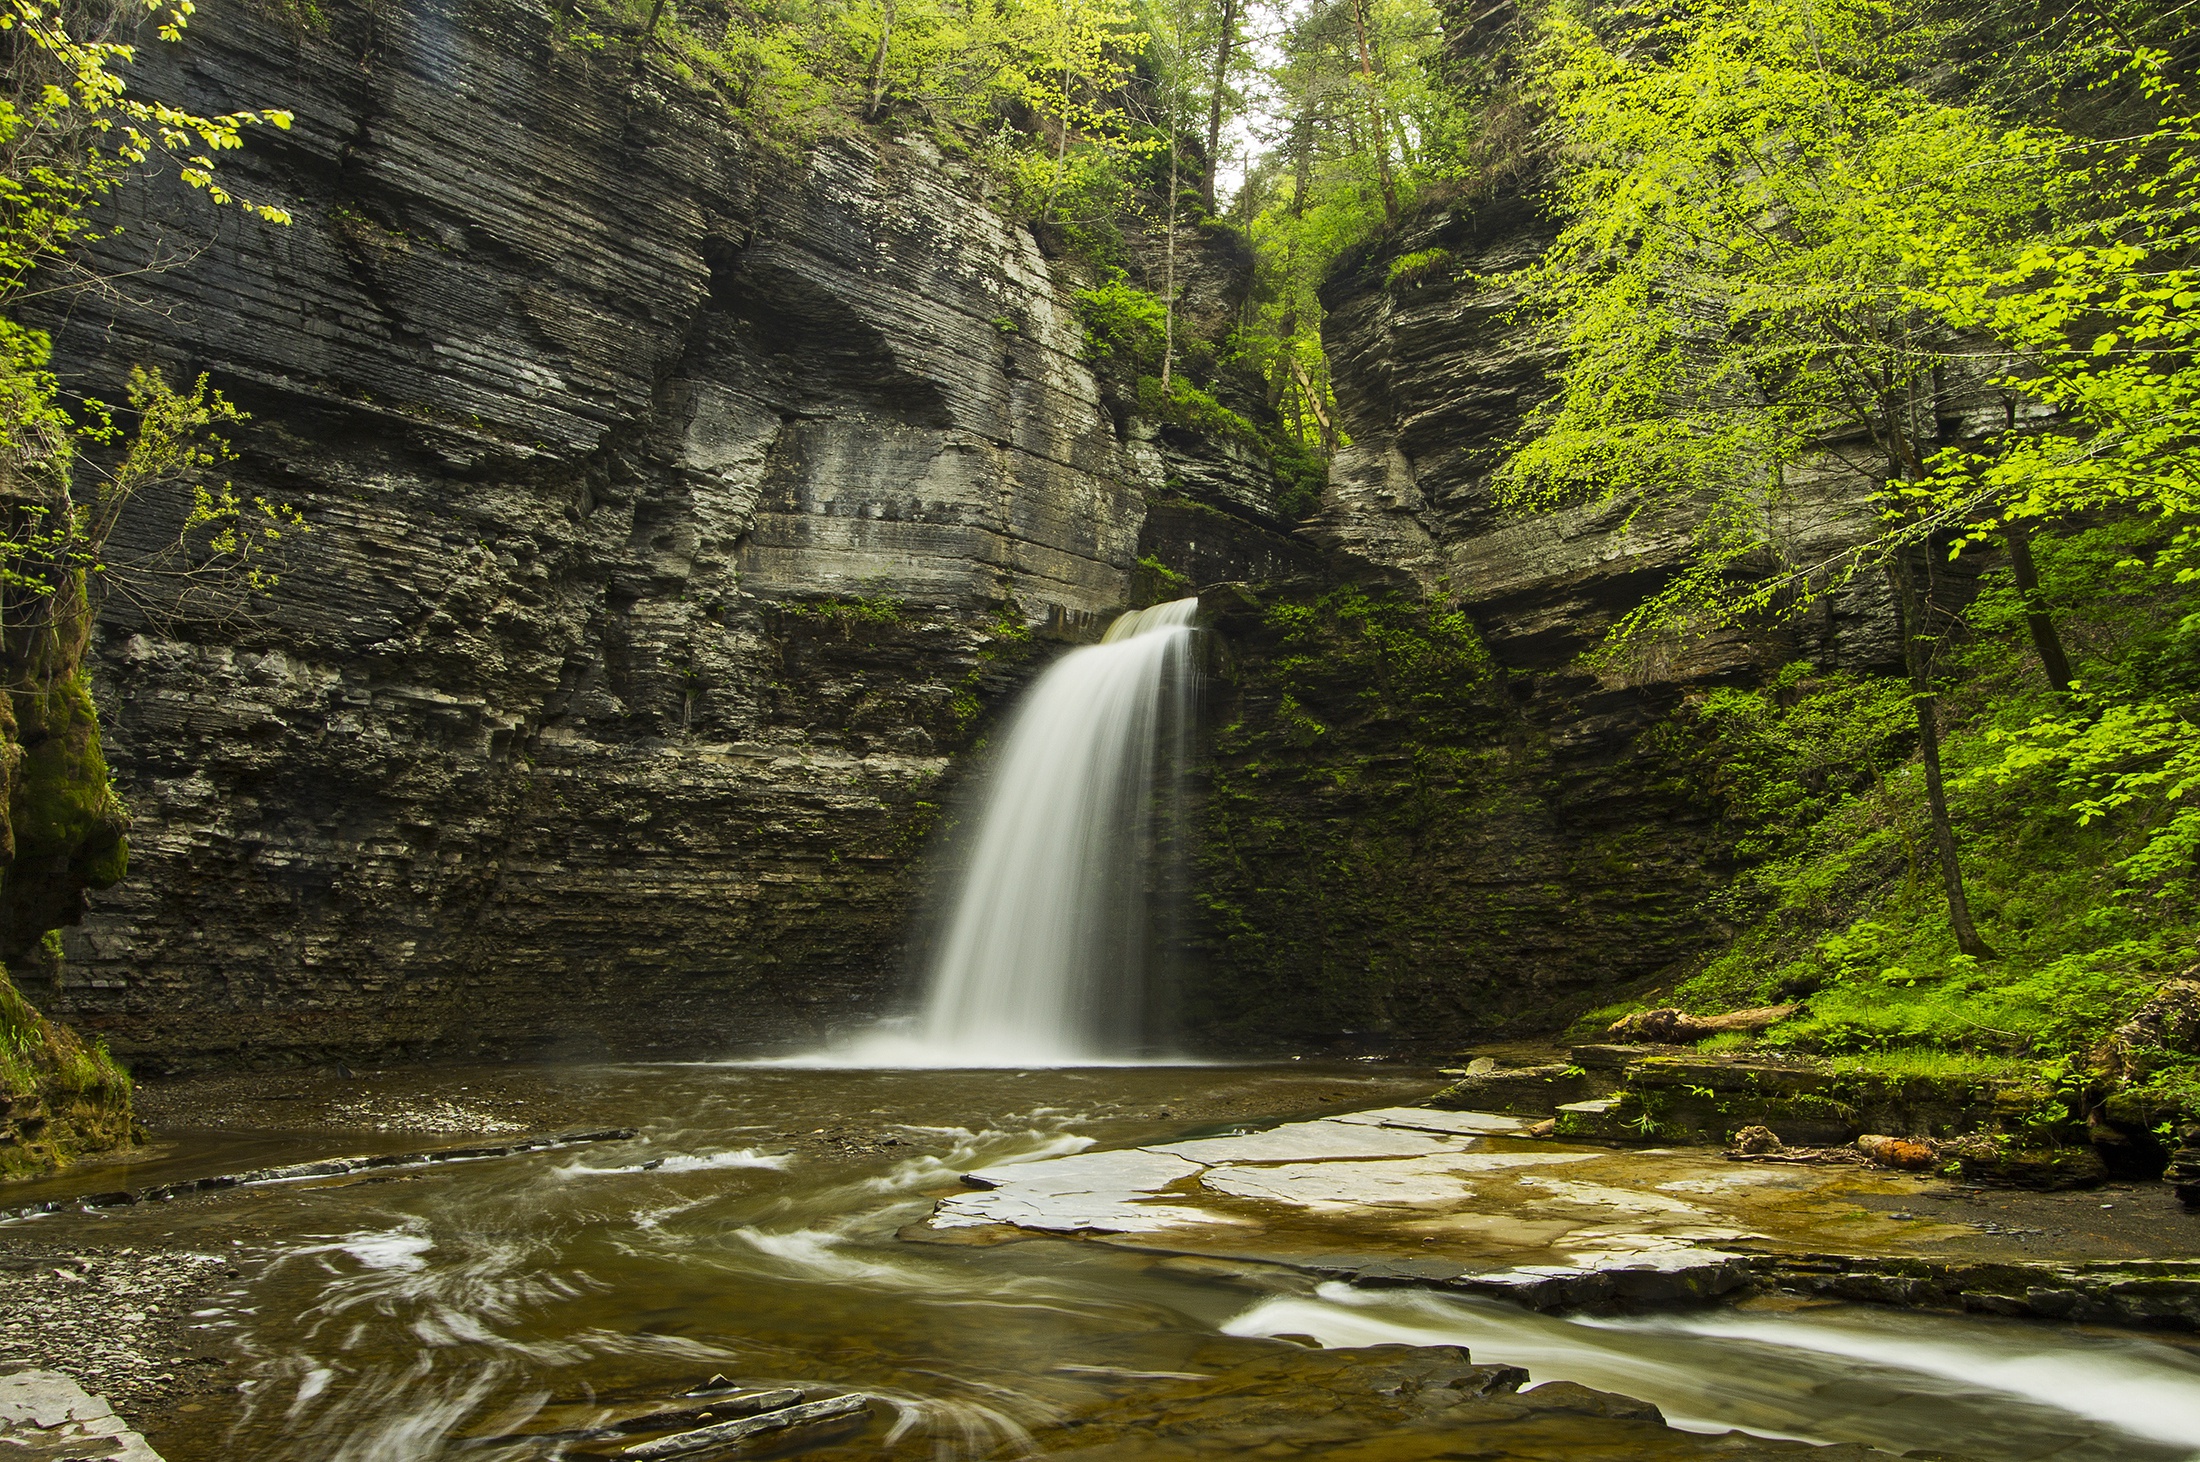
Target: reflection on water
(750,1230)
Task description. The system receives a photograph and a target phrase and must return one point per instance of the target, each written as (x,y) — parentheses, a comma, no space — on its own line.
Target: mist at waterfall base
(1044,952)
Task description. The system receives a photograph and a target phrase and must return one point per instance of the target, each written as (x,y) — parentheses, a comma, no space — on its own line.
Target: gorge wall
(1427,823)
(683,510)
(679,510)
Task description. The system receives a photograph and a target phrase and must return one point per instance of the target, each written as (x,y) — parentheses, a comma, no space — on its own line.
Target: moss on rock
(1391,850)
(60,1097)
(62,832)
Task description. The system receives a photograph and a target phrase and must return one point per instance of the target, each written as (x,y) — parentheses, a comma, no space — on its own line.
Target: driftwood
(1679,1028)
(722,1433)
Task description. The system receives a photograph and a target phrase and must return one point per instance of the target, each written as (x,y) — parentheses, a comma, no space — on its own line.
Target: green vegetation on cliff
(1793,246)
(72,134)
(1389,847)
(59,1097)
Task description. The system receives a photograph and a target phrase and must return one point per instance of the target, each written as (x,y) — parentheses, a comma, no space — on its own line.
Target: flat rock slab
(47,1415)
(1087,1192)
(1325,1141)
(1440,1179)
(1402,1195)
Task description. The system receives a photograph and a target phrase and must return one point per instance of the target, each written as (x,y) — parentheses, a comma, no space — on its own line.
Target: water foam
(1903,1374)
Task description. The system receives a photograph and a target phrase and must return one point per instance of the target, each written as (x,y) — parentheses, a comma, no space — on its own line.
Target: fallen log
(1679,1028)
(721,1433)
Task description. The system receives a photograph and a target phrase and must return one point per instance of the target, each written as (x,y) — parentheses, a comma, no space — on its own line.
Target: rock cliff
(683,509)
(680,508)
(1426,821)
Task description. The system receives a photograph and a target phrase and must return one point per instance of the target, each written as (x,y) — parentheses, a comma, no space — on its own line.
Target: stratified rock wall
(679,507)
(1435,376)
(1424,819)
(684,508)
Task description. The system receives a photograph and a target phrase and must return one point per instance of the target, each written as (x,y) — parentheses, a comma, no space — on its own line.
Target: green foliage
(1364,132)
(1123,324)
(71,134)
(2072,837)
(1187,405)
(1707,355)
(1782,757)
(1421,264)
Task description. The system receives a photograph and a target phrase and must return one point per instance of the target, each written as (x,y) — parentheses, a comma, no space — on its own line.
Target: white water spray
(1041,960)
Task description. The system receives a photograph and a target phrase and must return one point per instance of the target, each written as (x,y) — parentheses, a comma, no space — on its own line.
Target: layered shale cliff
(1428,822)
(685,508)
(680,508)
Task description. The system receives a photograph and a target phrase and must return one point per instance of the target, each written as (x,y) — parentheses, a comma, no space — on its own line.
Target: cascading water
(1041,959)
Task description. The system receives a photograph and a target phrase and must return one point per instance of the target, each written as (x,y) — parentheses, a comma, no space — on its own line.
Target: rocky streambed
(1130,1262)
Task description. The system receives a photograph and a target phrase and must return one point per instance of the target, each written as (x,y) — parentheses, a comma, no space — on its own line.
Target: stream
(749,1229)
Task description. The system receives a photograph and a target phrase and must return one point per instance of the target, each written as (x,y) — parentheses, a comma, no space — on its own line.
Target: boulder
(2158,1033)
(1755,1141)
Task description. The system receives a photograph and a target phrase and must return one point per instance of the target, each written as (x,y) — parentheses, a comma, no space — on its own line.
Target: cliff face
(680,509)
(1427,822)
(682,513)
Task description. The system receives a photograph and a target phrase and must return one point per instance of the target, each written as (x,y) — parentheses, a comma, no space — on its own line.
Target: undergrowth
(1838,901)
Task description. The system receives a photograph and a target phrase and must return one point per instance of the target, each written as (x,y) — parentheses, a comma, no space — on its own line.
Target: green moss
(1370,756)
(64,1098)
(880,609)
(63,807)
(1008,640)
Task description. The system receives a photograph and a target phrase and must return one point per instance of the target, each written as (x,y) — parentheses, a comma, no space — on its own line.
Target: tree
(71,133)
(1759,209)
(1228,48)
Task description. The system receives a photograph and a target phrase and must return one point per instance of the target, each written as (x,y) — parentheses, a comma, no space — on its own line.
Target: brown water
(750,1229)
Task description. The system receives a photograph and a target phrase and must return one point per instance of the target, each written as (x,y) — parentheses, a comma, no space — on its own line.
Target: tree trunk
(1168,297)
(1223,46)
(1314,407)
(1061,145)
(1302,160)
(1913,612)
(2036,617)
(878,62)
(1382,132)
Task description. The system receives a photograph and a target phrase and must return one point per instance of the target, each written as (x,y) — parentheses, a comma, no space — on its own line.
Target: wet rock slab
(1458,1201)
(1384,1403)
(46,1416)
(1085,1192)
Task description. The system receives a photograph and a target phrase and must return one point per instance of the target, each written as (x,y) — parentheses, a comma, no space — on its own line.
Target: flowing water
(759,1227)
(1042,956)
(752,1229)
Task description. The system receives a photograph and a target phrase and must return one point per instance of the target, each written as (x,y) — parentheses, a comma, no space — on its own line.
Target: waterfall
(1041,957)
